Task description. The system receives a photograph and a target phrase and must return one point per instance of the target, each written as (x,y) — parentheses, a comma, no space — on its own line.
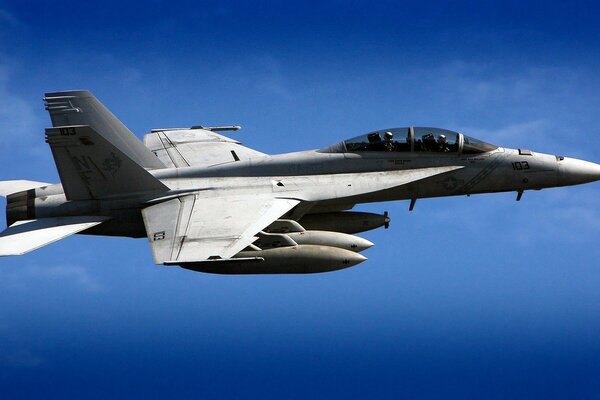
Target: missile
(344,221)
(301,259)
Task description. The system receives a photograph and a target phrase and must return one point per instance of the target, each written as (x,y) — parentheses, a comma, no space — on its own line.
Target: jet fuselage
(500,170)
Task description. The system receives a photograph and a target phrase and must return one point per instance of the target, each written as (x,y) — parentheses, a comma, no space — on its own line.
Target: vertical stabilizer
(80,107)
(91,167)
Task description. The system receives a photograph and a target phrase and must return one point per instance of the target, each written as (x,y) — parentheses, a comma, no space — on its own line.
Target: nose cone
(361,244)
(353,259)
(572,171)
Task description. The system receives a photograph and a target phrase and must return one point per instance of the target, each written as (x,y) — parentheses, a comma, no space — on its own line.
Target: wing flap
(25,236)
(166,224)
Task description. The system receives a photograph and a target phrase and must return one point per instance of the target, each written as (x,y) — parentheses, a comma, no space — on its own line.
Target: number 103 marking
(519,165)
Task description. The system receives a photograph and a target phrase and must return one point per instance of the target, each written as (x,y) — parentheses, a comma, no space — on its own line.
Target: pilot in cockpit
(388,143)
(443,143)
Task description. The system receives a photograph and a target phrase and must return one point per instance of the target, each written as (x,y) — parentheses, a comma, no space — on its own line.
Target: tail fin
(80,107)
(91,167)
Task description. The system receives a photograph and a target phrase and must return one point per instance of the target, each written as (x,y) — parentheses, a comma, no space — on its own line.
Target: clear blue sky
(478,297)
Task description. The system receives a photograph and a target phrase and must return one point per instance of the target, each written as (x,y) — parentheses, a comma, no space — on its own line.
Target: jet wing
(193,228)
(25,236)
(219,223)
(196,147)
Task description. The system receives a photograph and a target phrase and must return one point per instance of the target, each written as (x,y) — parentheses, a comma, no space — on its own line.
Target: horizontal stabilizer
(10,187)
(25,236)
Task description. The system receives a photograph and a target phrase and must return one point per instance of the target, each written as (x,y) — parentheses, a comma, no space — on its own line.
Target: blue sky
(506,306)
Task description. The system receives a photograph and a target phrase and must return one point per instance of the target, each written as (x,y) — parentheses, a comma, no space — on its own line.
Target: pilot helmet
(388,136)
(442,139)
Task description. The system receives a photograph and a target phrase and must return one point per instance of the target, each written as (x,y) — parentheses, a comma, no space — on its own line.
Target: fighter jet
(206,203)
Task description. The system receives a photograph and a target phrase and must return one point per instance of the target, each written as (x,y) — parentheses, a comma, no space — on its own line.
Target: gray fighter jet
(207,203)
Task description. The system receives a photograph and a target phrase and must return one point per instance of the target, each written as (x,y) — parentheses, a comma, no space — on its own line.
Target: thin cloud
(9,19)
(263,73)
(527,133)
(572,213)
(78,276)
(537,103)
(119,71)
(18,121)
(271,78)
(74,276)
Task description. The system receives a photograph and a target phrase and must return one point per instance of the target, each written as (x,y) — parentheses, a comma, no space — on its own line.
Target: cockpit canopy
(417,139)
